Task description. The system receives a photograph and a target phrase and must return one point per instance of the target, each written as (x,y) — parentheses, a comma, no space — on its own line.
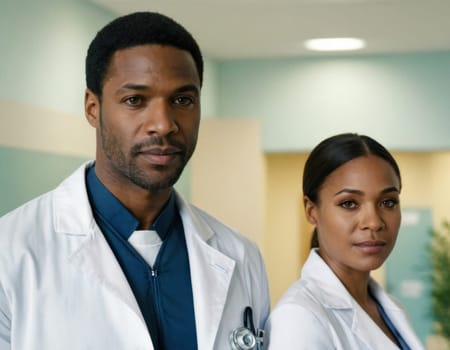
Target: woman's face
(357,215)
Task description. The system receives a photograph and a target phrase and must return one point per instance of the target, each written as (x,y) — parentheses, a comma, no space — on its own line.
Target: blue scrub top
(164,293)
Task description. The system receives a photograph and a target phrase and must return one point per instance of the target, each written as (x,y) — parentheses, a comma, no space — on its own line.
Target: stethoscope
(247,337)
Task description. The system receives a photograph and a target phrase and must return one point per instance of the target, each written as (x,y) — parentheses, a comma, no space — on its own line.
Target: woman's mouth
(371,246)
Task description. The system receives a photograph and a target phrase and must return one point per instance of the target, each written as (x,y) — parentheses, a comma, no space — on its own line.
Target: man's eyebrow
(139,87)
(142,87)
(188,88)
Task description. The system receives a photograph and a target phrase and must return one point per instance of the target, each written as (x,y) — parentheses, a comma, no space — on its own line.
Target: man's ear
(310,210)
(92,108)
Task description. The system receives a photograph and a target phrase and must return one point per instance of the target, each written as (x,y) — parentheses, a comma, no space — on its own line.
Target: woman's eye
(348,205)
(389,203)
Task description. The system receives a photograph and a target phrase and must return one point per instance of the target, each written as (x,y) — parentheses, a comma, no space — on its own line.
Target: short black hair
(139,28)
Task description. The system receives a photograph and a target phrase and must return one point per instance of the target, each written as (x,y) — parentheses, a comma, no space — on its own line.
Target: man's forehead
(147,59)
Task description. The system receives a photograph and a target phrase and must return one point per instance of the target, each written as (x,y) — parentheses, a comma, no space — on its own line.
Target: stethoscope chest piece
(242,339)
(247,337)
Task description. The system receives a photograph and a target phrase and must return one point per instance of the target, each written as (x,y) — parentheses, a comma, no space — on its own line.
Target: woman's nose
(371,219)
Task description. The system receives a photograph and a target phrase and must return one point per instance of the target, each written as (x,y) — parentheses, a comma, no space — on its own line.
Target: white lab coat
(318,313)
(62,288)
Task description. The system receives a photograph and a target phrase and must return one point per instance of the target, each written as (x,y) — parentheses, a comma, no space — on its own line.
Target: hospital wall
(43,134)
(401,100)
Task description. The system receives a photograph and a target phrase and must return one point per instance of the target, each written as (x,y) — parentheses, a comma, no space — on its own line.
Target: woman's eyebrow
(349,190)
(358,192)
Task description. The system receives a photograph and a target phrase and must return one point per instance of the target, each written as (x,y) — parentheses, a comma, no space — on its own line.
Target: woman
(351,187)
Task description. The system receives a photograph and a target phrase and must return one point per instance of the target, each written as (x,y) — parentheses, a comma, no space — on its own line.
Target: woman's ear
(92,108)
(310,210)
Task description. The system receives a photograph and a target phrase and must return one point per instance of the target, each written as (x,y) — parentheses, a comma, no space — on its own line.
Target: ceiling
(232,29)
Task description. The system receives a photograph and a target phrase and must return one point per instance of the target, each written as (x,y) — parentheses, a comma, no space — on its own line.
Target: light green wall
(25,174)
(44,45)
(402,100)
(209,90)
(42,64)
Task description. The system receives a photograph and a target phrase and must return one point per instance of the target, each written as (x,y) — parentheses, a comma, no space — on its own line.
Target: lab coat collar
(89,251)
(72,212)
(334,296)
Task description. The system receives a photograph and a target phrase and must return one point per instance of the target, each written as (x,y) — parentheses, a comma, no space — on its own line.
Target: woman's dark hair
(139,28)
(333,152)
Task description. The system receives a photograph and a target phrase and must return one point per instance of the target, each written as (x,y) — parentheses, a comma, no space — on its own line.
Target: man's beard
(129,168)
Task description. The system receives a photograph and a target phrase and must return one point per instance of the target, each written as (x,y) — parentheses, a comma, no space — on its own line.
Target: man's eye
(133,100)
(348,205)
(183,100)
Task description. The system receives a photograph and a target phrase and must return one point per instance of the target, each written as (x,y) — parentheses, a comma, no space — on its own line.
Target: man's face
(148,117)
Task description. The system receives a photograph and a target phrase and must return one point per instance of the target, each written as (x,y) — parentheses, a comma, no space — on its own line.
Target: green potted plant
(440,289)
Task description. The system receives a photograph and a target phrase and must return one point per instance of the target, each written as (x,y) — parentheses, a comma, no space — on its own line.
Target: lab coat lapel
(97,260)
(397,315)
(368,332)
(211,273)
(363,328)
(89,251)
(402,323)
(343,309)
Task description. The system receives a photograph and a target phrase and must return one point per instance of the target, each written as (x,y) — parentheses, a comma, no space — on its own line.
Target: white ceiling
(229,29)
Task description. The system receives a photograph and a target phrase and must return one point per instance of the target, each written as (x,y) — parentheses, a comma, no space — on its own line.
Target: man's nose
(160,118)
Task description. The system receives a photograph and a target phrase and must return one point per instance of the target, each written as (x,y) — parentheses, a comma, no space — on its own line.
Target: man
(114,258)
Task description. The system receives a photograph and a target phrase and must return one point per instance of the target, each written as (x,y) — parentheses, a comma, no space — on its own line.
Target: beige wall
(41,129)
(440,181)
(227,174)
(426,182)
(286,233)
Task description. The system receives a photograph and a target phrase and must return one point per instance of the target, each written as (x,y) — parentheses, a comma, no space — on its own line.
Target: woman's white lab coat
(317,312)
(62,288)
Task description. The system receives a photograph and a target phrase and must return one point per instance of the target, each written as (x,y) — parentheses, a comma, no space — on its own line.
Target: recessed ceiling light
(334,44)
